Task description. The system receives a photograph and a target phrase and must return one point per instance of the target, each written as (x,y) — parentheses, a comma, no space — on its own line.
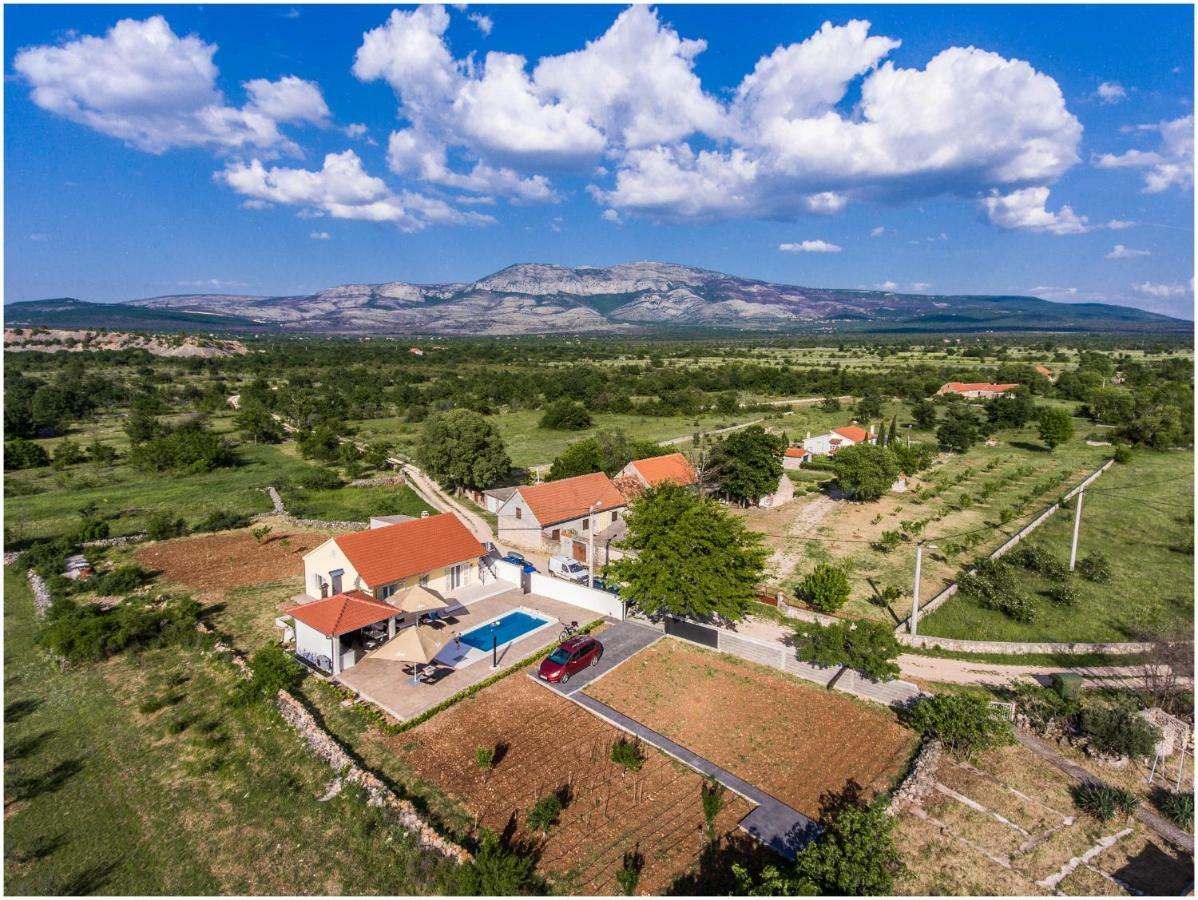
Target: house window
(519,513)
(389,590)
(555,535)
(424,580)
(615,516)
(586,524)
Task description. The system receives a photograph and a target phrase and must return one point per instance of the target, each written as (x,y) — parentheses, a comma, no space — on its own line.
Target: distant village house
(557,516)
(976,389)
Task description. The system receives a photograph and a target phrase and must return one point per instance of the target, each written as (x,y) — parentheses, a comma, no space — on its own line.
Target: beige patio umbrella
(420,599)
(414,645)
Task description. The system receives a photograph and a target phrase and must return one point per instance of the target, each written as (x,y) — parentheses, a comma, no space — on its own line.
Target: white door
(455,577)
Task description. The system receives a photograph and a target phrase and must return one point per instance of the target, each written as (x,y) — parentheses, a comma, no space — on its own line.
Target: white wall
(507,571)
(576,595)
(309,640)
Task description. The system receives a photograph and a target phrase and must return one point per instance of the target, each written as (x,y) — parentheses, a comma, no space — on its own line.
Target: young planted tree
(868,647)
(826,587)
(865,471)
(692,557)
(747,464)
(1056,426)
(460,449)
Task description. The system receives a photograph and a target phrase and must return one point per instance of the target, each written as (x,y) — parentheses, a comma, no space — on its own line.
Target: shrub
(854,855)
(261,532)
(485,758)
(221,520)
(319,479)
(712,796)
(189,448)
(566,415)
(91,529)
(119,581)
(1180,810)
(1035,558)
(1063,594)
(85,633)
(68,453)
(628,754)
(496,871)
(630,872)
(826,587)
(1096,568)
(1043,706)
(162,526)
(1122,455)
(1118,731)
(964,723)
(272,669)
(1104,802)
(889,540)
(544,813)
(20,453)
(993,587)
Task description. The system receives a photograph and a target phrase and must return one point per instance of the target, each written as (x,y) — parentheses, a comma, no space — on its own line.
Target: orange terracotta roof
(672,467)
(854,434)
(961,386)
(797,452)
(342,613)
(1044,370)
(383,555)
(571,498)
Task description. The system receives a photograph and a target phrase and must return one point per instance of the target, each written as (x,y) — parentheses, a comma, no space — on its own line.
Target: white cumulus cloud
(1111,92)
(1119,251)
(1163,291)
(814,246)
(1171,165)
(320,235)
(482,23)
(145,85)
(1026,210)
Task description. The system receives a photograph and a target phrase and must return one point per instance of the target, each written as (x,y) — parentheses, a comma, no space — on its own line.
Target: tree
(141,425)
(854,855)
(690,556)
(826,587)
(869,647)
(866,471)
(1118,731)
(497,871)
(959,430)
(869,406)
(460,449)
(747,464)
(924,414)
(1011,410)
(912,459)
(258,425)
(1056,426)
(892,433)
(20,453)
(272,669)
(964,723)
(189,448)
(566,415)
(830,404)
(607,451)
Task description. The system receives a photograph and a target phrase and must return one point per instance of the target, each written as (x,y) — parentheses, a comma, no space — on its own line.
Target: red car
(572,656)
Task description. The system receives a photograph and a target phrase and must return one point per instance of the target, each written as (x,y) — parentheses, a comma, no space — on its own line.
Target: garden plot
(546,744)
(989,493)
(1006,824)
(793,740)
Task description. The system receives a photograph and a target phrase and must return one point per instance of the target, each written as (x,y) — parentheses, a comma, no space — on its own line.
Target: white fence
(576,594)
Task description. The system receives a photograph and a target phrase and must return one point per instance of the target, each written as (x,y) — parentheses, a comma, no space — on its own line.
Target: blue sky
(273,150)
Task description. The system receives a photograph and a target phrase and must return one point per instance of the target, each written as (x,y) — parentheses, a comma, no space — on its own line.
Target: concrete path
(772,822)
(1159,824)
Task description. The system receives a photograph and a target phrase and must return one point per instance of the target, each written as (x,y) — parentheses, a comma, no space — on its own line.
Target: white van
(570,569)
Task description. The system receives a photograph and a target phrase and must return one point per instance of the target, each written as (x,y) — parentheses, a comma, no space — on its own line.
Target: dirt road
(957,671)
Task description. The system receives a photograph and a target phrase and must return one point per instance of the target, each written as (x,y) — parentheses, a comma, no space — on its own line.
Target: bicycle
(568,631)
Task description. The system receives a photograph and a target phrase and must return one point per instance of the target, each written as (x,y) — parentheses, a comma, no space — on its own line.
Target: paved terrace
(389,685)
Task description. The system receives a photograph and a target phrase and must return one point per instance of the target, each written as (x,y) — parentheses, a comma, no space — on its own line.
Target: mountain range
(531,298)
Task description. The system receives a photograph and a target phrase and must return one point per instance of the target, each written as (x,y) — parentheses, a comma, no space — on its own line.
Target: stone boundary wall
(941,598)
(280,511)
(41,593)
(117,541)
(1012,647)
(920,780)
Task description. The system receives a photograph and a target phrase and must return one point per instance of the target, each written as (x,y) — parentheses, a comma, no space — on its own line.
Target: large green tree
(869,647)
(607,451)
(689,556)
(959,429)
(1056,426)
(747,464)
(855,854)
(865,471)
(460,449)
(565,415)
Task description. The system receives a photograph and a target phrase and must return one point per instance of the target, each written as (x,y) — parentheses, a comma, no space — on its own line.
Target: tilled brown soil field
(793,741)
(550,744)
(230,560)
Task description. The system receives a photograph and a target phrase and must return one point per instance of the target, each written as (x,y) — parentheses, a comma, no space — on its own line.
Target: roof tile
(571,498)
(383,555)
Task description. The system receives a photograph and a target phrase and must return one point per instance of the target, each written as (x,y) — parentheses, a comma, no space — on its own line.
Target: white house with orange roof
(655,470)
(794,457)
(545,516)
(975,390)
(837,439)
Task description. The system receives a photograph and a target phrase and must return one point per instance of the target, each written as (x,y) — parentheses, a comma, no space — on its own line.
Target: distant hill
(633,297)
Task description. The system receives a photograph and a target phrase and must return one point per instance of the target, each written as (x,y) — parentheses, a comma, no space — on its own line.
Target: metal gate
(700,634)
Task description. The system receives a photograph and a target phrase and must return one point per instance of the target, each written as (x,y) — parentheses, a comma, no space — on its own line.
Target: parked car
(517,559)
(570,658)
(570,569)
(602,584)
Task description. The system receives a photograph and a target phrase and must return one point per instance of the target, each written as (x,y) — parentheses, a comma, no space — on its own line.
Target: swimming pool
(502,630)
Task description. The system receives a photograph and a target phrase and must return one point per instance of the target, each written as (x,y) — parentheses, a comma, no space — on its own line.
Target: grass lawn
(355,504)
(1138,516)
(197,797)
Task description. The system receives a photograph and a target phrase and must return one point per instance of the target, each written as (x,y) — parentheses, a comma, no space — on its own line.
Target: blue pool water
(508,628)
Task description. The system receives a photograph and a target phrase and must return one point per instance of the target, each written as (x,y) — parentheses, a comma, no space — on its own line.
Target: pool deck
(389,684)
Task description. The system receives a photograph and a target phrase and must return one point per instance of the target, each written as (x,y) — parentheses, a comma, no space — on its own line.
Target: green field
(355,504)
(199,797)
(1140,516)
